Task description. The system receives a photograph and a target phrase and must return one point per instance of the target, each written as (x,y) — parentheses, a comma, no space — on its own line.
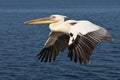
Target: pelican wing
(83,46)
(56,42)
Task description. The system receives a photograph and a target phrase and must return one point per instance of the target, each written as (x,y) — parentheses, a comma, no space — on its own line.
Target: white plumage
(80,37)
(84,27)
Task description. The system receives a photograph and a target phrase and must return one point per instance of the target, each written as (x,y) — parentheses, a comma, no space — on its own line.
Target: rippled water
(19,45)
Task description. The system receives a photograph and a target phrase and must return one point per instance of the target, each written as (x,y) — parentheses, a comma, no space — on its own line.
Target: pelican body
(80,37)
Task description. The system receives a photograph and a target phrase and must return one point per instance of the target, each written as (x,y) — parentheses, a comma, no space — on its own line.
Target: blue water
(19,45)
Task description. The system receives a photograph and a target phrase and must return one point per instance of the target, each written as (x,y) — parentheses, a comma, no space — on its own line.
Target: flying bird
(79,36)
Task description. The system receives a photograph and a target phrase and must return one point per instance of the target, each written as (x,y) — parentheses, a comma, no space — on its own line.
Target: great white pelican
(79,36)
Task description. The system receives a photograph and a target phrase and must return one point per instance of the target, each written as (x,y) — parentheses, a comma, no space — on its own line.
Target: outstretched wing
(56,42)
(83,45)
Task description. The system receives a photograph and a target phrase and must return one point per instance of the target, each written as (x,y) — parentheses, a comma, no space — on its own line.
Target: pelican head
(47,20)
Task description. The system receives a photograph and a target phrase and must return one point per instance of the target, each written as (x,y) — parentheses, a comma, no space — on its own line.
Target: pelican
(79,36)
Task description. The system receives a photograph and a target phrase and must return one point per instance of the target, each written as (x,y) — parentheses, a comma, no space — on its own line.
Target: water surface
(19,45)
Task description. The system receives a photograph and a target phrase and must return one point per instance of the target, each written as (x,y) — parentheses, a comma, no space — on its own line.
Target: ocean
(20,44)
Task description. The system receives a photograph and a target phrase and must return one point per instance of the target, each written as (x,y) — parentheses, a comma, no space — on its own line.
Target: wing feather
(47,55)
(83,47)
(56,42)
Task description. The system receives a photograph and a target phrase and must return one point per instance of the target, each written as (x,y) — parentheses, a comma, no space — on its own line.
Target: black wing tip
(46,55)
(42,55)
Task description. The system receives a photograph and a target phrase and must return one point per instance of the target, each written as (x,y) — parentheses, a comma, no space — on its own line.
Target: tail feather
(108,37)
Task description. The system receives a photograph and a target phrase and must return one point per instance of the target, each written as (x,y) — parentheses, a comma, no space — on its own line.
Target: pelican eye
(53,17)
